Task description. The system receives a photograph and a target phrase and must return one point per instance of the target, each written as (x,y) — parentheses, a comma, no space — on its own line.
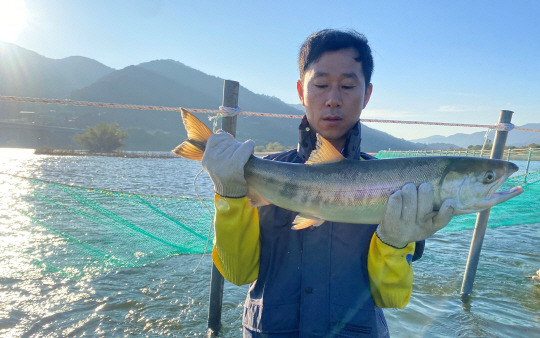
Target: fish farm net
(101,230)
(521,154)
(96,231)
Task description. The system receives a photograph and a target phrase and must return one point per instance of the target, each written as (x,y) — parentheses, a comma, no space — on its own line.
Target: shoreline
(515,156)
(122,153)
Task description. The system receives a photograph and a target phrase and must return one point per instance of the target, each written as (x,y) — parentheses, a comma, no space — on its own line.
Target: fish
(329,187)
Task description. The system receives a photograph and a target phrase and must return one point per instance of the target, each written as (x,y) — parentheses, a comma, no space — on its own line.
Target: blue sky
(452,61)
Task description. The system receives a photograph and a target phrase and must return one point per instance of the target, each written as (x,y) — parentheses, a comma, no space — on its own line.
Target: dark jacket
(313,282)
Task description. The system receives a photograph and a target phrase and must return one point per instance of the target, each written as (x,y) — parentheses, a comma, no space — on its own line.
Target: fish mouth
(495,197)
(502,196)
(492,200)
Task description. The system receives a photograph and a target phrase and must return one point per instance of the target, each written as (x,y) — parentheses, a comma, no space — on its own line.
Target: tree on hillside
(270,147)
(488,146)
(102,138)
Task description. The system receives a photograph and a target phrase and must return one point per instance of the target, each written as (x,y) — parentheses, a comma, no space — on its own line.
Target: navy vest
(313,282)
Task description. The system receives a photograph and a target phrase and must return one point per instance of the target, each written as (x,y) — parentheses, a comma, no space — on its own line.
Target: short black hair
(328,40)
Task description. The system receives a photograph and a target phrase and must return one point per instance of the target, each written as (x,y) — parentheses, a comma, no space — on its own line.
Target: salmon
(329,187)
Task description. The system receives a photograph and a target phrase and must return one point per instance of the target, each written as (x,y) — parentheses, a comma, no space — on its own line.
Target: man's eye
(348,87)
(321,86)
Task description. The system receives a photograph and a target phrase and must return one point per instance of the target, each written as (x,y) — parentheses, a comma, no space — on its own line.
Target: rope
(229,111)
(499,126)
(223,111)
(486,139)
(236,111)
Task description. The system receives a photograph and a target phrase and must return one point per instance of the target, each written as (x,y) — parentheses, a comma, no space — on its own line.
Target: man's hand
(224,160)
(409,216)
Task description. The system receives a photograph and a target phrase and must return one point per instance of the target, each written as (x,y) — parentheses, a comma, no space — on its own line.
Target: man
(330,280)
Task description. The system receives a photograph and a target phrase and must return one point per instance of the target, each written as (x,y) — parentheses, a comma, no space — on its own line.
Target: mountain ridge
(516,137)
(26,73)
(164,82)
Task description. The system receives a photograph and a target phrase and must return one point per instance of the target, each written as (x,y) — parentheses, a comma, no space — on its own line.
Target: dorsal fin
(324,152)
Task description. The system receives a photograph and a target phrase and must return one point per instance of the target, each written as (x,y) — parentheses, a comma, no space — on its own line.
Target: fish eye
(489,177)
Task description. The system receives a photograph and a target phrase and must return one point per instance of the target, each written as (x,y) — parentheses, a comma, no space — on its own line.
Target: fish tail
(197,133)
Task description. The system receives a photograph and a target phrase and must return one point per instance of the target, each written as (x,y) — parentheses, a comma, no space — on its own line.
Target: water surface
(169,296)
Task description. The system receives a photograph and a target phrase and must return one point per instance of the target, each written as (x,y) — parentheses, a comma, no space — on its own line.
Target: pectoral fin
(305,221)
(256,200)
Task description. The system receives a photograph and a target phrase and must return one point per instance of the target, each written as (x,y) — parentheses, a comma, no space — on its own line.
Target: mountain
(171,83)
(160,82)
(518,138)
(26,73)
(297,106)
(137,85)
(212,86)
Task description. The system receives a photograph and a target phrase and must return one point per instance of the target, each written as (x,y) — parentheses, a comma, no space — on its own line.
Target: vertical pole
(528,164)
(230,99)
(483,216)
(228,124)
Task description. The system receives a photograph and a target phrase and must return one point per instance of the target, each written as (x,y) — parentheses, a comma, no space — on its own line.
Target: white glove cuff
(230,190)
(385,241)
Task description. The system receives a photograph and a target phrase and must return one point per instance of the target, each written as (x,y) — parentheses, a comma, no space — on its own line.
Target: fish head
(473,183)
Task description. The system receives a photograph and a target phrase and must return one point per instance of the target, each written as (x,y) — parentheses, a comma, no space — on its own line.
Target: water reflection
(38,295)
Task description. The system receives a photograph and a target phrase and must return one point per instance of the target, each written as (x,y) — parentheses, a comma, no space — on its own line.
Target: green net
(522,154)
(97,231)
(101,230)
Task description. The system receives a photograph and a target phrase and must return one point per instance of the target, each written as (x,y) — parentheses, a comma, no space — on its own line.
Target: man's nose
(334,98)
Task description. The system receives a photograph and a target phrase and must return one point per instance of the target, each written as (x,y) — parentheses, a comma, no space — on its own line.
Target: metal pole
(483,216)
(228,124)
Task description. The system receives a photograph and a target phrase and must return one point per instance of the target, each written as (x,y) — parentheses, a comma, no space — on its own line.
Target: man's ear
(367,96)
(300,89)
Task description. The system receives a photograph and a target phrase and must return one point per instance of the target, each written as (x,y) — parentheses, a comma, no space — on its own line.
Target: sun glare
(12,19)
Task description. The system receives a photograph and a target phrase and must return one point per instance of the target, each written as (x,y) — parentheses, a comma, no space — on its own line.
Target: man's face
(334,93)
